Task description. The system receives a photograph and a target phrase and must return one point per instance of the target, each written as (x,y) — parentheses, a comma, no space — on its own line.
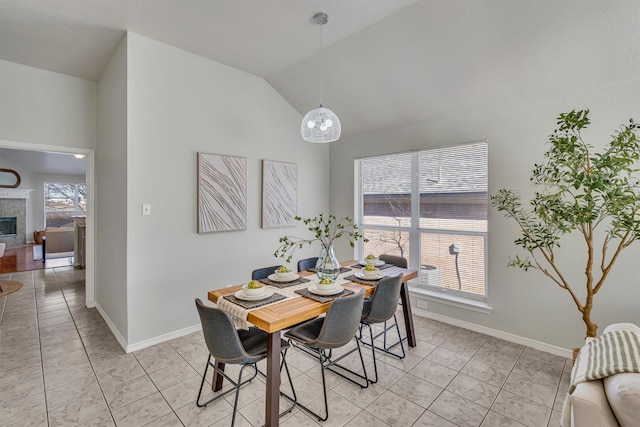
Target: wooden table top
(282,315)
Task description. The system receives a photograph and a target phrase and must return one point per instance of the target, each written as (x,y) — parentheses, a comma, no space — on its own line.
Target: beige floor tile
(416,390)
(429,419)
(129,392)
(523,410)
(79,411)
(91,381)
(141,412)
(474,390)
(394,410)
(458,410)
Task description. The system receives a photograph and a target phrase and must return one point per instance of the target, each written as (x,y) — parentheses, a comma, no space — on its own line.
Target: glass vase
(327,265)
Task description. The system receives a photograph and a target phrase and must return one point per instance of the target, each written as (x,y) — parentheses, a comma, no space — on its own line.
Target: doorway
(39,153)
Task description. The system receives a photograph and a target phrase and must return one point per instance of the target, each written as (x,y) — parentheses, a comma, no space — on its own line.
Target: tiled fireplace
(13,210)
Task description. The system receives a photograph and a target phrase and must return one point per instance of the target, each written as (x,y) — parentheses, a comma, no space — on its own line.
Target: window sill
(446,298)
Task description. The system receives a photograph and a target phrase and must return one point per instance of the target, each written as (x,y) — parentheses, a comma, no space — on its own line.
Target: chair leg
(334,362)
(373,352)
(319,354)
(324,357)
(236,385)
(387,348)
(293,400)
(235,400)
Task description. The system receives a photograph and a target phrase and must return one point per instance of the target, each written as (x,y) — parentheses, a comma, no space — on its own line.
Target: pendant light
(320,124)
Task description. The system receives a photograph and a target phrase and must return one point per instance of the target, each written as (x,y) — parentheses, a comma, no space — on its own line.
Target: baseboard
(538,345)
(162,338)
(112,327)
(128,348)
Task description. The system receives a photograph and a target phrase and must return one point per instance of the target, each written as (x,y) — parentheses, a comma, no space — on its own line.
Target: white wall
(111,194)
(180,104)
(40,106)
(525,304)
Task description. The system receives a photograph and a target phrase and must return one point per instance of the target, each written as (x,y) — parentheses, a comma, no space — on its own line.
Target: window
(62,202)
(430,207)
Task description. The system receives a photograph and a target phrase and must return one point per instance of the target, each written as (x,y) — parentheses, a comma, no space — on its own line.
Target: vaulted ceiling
(387,63)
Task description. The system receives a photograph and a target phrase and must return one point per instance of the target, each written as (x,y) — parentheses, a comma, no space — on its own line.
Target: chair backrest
(385,300)
(305,264)
(220,335)
(341,322)
(263,273)
(398,261)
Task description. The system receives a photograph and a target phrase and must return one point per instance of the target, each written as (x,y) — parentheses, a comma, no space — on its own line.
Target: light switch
(146,209)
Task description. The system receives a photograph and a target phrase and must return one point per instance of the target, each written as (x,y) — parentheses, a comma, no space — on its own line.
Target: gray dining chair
(335,330)
(229,345)
(401,262)
(398,261)
(307,263)
(263,273)
(380,308)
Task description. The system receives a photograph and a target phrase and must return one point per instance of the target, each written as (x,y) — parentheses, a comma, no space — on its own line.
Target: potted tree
(594,194)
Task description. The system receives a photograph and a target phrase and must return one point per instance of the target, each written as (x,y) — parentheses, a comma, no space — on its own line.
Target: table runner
(239,314)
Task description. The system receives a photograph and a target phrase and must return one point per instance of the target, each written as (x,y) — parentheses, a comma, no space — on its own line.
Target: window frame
(77,212)
(455,297)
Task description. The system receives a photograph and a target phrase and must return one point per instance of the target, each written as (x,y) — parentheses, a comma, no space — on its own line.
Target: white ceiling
(40,162)
(388,63)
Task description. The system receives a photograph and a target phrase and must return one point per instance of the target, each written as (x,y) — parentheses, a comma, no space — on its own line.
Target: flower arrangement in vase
(326,229)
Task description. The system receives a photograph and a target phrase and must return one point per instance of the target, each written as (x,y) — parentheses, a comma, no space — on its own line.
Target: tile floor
(61,366)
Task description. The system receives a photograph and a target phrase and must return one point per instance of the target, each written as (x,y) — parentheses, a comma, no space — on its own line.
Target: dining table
(279,316)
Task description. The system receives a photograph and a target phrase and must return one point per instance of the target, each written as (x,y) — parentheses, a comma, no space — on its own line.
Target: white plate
(376,263)
(362,276)
(290,278)
(240,295)
(336,289)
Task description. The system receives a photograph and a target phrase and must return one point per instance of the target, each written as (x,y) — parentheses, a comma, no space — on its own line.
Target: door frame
(90,268)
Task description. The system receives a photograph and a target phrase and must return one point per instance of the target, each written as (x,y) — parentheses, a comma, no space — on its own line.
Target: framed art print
(279,194)
(222,193)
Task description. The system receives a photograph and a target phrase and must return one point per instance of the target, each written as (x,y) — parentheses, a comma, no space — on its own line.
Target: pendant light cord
(321,60)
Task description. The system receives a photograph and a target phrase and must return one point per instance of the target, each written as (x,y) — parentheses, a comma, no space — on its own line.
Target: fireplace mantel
(15,193)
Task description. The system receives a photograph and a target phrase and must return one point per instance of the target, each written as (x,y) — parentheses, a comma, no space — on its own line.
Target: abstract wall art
(222,193)
(279,194)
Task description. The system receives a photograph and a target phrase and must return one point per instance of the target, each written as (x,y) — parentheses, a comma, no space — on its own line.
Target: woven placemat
(322,298)
(282,285)
(354,278)
(342,270)
(254,304)
(380,267)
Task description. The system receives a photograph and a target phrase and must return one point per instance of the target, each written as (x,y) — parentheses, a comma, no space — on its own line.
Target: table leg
(272,409)
(408,318)
(216,382)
